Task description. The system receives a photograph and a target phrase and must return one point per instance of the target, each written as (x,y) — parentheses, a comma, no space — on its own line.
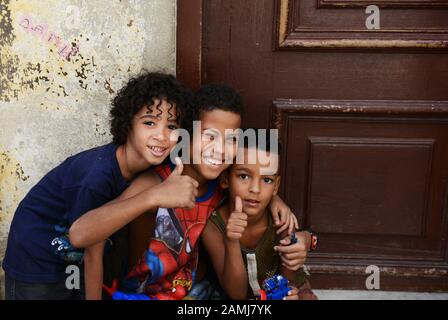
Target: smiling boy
(144,114)
(240,236)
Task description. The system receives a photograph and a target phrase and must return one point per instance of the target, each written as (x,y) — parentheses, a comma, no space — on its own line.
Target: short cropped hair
(217,97)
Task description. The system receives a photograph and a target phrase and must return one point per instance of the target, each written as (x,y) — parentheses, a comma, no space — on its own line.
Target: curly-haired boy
(145,113)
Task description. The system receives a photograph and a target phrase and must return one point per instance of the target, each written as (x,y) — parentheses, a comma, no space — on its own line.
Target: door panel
(341,24)
(373,183)
(368,180)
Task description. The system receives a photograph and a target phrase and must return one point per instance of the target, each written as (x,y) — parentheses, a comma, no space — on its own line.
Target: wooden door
(363,116)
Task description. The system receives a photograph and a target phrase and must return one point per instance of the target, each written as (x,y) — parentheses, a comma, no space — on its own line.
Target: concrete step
(377,295)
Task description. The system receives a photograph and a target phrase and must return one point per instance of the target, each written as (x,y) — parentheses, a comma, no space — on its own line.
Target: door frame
(189,42)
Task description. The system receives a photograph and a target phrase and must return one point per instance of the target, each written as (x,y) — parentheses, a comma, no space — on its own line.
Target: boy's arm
(289,266)
(98,224)
(139,235)
(93,268)
(144,194)
(293,256)
(227,261)
(282,215)
(300,291)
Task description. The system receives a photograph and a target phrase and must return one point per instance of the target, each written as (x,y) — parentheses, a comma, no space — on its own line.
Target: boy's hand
(293,294)
(177,191)
(293,256)
(283,217)
(237,222)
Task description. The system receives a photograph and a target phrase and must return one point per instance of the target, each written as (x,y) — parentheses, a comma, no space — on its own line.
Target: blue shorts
(18,290)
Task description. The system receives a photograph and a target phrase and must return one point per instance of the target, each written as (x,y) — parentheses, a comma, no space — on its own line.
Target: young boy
(240,237)
(171,256)
(144,114)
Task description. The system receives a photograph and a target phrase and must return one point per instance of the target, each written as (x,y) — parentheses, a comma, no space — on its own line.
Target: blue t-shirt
(82,182)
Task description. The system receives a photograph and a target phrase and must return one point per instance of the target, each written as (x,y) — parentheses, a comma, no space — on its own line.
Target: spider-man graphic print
(167,267)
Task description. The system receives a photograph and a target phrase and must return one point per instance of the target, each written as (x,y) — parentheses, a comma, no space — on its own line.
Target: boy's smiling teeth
(212,161)
(158,151)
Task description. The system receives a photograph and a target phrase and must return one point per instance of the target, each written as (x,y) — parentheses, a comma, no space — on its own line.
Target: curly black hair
(141,91)
(217,96)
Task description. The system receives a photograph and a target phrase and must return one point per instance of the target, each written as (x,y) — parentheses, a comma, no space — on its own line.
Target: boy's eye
(172,127)
(243,176)
(149,123)
(209,136)
(268,180)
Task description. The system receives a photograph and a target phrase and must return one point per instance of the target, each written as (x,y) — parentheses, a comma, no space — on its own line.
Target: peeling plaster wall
(61,62)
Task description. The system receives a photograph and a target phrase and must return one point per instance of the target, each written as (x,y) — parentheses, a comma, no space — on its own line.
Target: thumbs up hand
(237,222)
(179,168)
(177,191)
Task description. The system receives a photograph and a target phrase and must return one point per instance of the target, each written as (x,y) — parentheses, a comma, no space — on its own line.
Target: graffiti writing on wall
(41,31)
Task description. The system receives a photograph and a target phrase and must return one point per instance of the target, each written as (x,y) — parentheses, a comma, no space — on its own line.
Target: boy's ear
(224,180)
(277,184)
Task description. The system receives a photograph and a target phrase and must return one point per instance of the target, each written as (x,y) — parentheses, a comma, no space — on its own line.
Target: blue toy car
(275,288)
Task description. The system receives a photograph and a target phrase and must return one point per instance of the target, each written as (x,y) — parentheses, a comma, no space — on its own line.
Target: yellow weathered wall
(54,104)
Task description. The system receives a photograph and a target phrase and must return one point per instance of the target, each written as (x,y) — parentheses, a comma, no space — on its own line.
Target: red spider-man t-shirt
(170,260)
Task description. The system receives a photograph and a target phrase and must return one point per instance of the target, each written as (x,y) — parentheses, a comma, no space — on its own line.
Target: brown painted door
(363,116)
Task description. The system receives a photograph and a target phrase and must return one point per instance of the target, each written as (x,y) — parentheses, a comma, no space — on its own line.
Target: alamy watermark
(72,282)
(373,20)
(373,280)
(210,146)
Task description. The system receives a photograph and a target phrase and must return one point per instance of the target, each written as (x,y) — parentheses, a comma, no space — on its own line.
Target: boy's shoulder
(144,180)
(95,152)
(94,168)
